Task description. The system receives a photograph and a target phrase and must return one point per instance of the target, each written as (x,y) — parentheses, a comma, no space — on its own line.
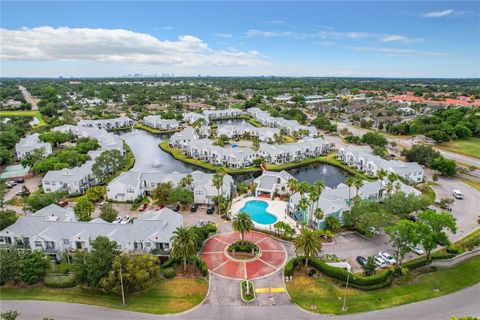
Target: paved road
(462,303)
(28,97)
(408,143)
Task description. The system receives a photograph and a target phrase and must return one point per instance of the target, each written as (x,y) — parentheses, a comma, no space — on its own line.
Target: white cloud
(269,34)
(223,35)
(275,22)
(401,52)
(399,38)
(116,45)
(440,13)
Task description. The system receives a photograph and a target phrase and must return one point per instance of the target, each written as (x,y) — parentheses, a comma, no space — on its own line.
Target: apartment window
(148,244)
(47,189)
(38,244)
(66,242)
(50,244)
(53,183)
(2,239)
(198,192)
(47,183)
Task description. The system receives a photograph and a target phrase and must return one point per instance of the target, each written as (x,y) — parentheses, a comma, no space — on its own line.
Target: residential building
(126,187)
(183,138)
(291,127)
(157,122)
(30,143)
(108,124)
(272,183)
(223,114)
(191,117)
(55,230)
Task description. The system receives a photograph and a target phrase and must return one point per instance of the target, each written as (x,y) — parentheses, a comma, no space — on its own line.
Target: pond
(235,122)
(331,175)
(148,156)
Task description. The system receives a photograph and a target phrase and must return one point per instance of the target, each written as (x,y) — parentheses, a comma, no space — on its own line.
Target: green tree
(108,212)
(187,180)
(34,267)
(37,201)
(402,234)
(349,182)
(358,183)
(32,157)
(242,223)
(8,139)
(99,260)
(370,268)
(107,164)
(10,264)
(95,193)
(419,153)
(5,155)
(307,244)
(401,203)
(7,218)
(217,180)
(56,137)
(184,244)
(84,208)
(431,228)
(374,139)
(332,223)
(180,195)
(444,166)
(138,272)
(10,315)
(366,214)
(162,191)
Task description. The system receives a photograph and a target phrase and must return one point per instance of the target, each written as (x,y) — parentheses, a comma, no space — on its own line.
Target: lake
(148,156)
(331,175)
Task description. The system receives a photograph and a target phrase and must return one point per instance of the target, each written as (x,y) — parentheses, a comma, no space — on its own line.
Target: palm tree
(303,188)
(217,182)
(318,186)
(313,197)
(307,244)
(392,177)
(186,181)
(358,183)
(318,214)
(381,174)
(302,206)
(184,244)
(242,223)
(349,182)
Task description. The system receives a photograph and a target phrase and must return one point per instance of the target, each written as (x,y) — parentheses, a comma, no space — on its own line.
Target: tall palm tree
(302,206)
(313,197)
(186,181)
(217,182)
(349,182)
(303,188)
(319,186)
(242,223)
(318,214)
(358,183)
(381,174)
(184,244)
(392,177)
(307,244)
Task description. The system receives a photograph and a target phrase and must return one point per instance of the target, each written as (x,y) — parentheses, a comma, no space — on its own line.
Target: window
(38,244)
(198,192)
(47,183)
(47,189)
(66,242)
(2,239)
(148,244)
(53,183)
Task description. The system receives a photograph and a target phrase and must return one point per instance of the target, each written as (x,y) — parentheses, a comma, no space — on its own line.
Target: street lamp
(344,307)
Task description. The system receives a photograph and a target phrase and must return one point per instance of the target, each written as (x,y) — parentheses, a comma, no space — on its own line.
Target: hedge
(212,228)
(169,273)
(371,282)
(59,281)
(169,263)
(202,266)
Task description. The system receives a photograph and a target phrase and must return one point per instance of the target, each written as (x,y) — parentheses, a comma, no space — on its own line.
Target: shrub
(454,249)
(212,228)
(169,273)
(292,264)
(245,246)
(169,263)
(59,281)
(202,266)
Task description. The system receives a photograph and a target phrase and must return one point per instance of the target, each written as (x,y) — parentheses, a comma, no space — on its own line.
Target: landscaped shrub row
(245,246)
(59,281)
(381,280)
(202,266)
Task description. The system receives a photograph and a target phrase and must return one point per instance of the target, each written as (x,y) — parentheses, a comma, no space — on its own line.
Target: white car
(373,230)
(387,257)
(458,194)
(417,249)
(117,220)
(380,262)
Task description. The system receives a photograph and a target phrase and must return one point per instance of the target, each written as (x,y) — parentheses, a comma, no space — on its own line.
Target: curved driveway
(461,303)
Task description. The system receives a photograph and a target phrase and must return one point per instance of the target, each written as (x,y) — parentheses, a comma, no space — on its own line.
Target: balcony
(160,252)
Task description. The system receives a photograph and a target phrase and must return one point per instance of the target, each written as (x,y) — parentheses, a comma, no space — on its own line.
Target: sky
(323,38)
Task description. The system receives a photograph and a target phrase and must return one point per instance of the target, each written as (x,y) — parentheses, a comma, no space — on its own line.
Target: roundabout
(269,259)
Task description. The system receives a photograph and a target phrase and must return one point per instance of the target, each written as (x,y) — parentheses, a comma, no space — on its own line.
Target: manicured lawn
(152,130)
(177,154)
(328,297)
(468,147)
(166,296)
(30,113)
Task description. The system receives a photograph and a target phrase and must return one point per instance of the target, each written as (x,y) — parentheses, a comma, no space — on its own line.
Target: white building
(55,230)
(157,122)
(191,117)
(272,183)
(30,143)
(108,124)
(291,127)
(223,114)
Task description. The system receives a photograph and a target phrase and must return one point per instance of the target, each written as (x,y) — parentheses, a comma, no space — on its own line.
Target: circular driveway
(271,258)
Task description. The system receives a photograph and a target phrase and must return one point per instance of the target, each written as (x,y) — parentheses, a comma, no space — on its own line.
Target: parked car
(210,209)
(160,206)
(387,257)
(143,207)
(380,262)
(125,220)
(19,180)
(194,207)
(458,194)
(362,261)
(176,207)
(22,193)
(416,249)
(117,220)
(63,203)
(11,184)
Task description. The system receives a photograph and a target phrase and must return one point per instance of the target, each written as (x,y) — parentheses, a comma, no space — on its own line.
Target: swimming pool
(258,211)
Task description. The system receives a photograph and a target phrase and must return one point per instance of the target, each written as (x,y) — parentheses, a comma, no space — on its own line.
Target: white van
(458,194)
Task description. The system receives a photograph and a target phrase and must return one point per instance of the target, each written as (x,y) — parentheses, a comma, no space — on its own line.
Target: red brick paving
(222,264)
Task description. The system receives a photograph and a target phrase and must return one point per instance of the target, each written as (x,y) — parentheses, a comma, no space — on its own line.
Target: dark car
(63,203)
(143,207)
(19,180)
(194,208)
(176,207)
(159,207)
(362,261)
(23,193)
(210,209)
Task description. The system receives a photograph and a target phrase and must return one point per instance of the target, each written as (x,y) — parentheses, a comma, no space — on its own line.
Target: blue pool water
(258,211)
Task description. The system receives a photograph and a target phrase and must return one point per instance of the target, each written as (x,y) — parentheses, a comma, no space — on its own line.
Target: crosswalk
(269,290)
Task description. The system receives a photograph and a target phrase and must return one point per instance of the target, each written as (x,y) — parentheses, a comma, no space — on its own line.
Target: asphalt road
(462,303)
(28,97)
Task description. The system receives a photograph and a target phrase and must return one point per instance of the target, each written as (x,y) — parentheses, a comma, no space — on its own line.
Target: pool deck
(277,208)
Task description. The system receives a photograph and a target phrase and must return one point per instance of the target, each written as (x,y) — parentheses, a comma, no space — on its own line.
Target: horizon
(368,39)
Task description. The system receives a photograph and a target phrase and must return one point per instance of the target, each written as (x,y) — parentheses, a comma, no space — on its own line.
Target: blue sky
(341,38)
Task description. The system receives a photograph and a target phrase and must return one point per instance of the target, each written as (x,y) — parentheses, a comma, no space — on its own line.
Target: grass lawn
(177,154)
(471,183)
(467,147)
(30,113)
(328,297)
(166,296)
